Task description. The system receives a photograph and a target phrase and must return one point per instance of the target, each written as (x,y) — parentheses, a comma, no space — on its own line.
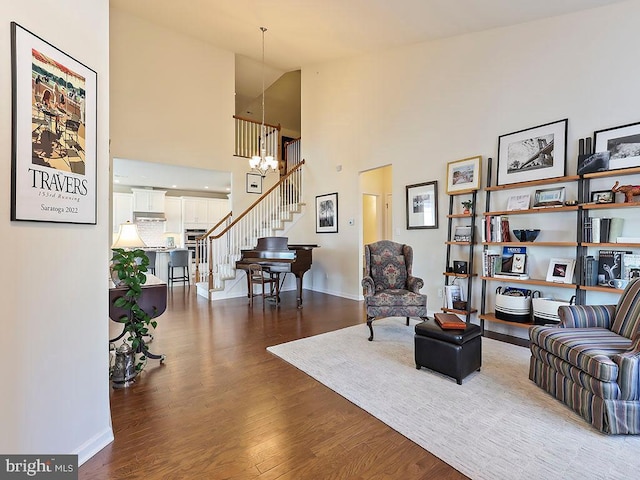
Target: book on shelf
(595,230)
(513,259)
(610,229)
(590,269)
(630,266)
(449,321)
(490,263)
(586,231)
(512,276)
(610,265)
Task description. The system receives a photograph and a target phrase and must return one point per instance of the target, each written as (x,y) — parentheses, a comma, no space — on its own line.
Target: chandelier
(263,163)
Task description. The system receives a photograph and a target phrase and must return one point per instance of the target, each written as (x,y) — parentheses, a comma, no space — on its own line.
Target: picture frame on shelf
(560,270)
(462,233)
(622,143)
(533,154)
(594,162)
(603,196)
(54,120)
(549,197)
(463,175)
(422,205)
(254,183)
(327,213)
(518,202)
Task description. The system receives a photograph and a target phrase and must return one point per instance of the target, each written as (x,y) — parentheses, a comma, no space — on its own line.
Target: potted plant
(128,270)
(466,205)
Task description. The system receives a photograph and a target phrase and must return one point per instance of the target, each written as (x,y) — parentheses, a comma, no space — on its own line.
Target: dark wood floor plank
(223,407)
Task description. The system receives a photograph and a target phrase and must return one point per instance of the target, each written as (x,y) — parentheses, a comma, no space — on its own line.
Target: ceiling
(305,32)
(136,173)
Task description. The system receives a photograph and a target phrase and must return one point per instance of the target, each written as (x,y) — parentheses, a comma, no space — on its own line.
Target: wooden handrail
(220,222)
(243,214)
(244,119)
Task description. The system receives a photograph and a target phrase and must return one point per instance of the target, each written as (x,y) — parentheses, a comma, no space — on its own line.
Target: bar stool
(257,277)
(178,258)
(151,255)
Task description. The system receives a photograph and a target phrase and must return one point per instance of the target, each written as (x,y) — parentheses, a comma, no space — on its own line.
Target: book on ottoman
(449,321)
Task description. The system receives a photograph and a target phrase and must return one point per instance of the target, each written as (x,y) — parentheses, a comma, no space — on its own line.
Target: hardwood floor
(222,407)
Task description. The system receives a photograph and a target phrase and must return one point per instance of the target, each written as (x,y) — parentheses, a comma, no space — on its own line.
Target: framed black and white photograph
(533,154)
(54,123)
(603,196)
(464,174)
(622,144)
(422,205)
(254,183)
(560,270)
(327,213)
(549,197)
(518,202)
(462,233)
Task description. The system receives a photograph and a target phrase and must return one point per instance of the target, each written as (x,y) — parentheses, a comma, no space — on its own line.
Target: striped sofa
(591,361)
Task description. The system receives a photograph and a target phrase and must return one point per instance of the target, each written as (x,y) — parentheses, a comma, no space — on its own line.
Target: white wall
(53,346)
(422,106)
(172,100)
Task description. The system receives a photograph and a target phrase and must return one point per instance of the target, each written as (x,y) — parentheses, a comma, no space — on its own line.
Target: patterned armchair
(390,290)
(590,361)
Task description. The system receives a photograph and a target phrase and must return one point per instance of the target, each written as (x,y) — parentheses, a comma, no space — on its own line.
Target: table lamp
(128,237)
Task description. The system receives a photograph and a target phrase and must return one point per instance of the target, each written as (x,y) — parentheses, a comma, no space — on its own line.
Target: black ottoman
(455,353)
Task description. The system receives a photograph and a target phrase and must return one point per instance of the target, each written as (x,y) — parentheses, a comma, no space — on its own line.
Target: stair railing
(224,243)
(248,133)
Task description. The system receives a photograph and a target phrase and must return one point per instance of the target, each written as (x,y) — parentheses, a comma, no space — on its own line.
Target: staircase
(218,250)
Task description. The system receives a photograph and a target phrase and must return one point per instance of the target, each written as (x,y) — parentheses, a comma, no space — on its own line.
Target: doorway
(377,212)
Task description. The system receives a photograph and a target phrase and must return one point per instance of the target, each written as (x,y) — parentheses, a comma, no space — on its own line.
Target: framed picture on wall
(254,183)
(533,154)
(620,144)
(327,213)
(54,121)
(422,205)
(464,174)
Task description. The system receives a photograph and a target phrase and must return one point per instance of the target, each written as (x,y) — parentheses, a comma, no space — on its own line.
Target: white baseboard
(94,445)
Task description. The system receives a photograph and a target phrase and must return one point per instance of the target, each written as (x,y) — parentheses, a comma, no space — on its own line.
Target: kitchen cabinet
(194,212)
(173,213)
(203,212)
(122,209)
(148,200)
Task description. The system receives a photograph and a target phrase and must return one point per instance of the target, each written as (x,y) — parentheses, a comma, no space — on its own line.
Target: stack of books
(495,228)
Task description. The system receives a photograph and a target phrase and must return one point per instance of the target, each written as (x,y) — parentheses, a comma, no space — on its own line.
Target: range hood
(149,217)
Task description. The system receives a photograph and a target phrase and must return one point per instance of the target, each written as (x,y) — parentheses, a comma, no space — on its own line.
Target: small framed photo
(533,154)
(518,202)
(560,270)
(518,262)
(254,183)
(549,197)
(462,233)
(603,196)
(422,205)
(463,175)
(327,213)
(622,144)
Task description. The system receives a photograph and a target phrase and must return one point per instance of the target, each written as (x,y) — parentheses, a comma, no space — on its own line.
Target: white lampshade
(128,237)
(254,161)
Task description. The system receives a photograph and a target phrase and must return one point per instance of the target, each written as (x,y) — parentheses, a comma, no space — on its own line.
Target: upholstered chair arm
(414,284)
(629,371)
(586,316)
(369,286)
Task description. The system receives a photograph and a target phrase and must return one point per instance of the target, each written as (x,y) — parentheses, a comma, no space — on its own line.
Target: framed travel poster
(53,164)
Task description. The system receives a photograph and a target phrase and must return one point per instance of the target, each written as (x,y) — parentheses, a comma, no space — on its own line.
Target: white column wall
(54,361)
(421,106)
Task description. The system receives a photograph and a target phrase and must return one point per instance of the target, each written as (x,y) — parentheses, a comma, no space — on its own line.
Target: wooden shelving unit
(464,249)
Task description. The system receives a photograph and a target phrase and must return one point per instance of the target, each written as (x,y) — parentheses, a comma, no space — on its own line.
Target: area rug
(496,425)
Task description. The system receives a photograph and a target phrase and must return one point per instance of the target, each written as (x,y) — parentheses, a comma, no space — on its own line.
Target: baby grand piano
(275,255)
